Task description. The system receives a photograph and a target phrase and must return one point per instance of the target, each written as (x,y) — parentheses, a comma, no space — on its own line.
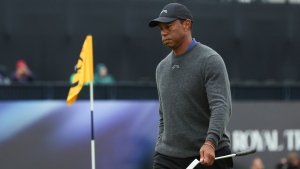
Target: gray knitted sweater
(195,102)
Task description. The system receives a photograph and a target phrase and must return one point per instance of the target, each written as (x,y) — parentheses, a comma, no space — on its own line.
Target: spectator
(293,161)
(73,75)
(257,164)
(22,74)
(4,80)
(282,164)
(102,76)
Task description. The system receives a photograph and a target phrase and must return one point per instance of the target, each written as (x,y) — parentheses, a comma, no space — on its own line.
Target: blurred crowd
(292,161)
(22,74)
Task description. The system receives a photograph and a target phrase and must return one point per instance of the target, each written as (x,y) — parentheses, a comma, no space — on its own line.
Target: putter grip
(242,153)
(193,164)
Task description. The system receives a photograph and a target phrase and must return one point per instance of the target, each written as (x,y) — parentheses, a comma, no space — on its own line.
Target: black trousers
(166,162)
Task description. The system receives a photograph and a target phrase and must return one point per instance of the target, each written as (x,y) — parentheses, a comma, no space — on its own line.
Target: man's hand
(207,153)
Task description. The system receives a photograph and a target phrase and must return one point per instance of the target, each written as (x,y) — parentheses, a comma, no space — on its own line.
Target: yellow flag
(84,70)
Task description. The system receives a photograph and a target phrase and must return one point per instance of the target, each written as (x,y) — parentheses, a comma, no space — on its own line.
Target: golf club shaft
(226,156)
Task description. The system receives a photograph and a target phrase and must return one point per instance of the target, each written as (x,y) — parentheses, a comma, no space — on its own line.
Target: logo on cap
(175,66)
(164,11)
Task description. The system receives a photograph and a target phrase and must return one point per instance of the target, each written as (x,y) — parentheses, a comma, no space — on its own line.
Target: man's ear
(187,24)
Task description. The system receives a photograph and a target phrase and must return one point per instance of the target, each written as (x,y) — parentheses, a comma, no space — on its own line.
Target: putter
(241,153)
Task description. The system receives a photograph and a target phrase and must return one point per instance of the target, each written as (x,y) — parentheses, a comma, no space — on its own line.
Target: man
(102,76)
(194,96)
(22,74)
(293,161)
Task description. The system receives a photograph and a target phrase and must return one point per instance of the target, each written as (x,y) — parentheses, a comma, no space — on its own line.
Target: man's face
(103,71)
(22,70)
(172,34)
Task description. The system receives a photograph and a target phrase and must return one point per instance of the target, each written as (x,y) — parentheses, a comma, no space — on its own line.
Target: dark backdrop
(257,41)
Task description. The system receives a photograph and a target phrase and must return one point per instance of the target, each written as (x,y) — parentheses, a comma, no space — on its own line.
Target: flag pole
(92,125)
(84,73)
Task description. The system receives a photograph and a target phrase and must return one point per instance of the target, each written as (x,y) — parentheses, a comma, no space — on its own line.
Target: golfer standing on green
(194,97)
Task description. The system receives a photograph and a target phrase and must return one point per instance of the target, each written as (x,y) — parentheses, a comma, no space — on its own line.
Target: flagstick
(92,125)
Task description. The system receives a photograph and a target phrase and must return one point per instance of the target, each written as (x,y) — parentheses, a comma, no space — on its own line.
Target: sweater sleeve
(161,122)
(219,97)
